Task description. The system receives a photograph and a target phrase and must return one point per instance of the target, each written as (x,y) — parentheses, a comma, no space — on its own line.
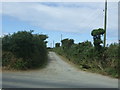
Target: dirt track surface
(57,74)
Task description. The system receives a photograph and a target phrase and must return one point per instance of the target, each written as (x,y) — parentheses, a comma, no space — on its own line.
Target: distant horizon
(51,44)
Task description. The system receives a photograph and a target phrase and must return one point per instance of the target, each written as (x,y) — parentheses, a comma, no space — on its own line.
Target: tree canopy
(97,33)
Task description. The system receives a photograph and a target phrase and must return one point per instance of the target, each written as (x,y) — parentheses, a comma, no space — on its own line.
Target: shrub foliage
(92,56)
(24,50)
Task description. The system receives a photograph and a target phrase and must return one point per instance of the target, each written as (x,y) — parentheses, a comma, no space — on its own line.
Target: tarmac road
(57,74)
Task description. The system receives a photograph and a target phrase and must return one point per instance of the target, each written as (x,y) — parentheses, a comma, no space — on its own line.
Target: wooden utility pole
(61,37)
(53,43)
(105,23)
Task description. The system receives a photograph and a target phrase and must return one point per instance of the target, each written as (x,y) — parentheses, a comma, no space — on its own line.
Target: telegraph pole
(53,43)
(61,37)
(105,23)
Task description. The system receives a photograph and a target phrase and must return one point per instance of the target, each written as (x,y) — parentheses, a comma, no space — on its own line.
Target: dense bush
(86,56)
(24,50)
(93,57)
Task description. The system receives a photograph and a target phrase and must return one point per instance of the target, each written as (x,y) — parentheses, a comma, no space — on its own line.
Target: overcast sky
(72,20)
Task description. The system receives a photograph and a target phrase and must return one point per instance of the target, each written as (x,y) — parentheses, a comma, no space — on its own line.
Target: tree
(57,45)
(6,42)
(67,43)
(22,41)
(97,33)
(43,37)
(23,50)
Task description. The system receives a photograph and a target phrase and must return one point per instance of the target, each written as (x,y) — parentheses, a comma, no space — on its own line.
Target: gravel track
(57,74)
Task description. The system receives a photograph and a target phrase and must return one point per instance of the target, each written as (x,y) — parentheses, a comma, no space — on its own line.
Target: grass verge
(92,70)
